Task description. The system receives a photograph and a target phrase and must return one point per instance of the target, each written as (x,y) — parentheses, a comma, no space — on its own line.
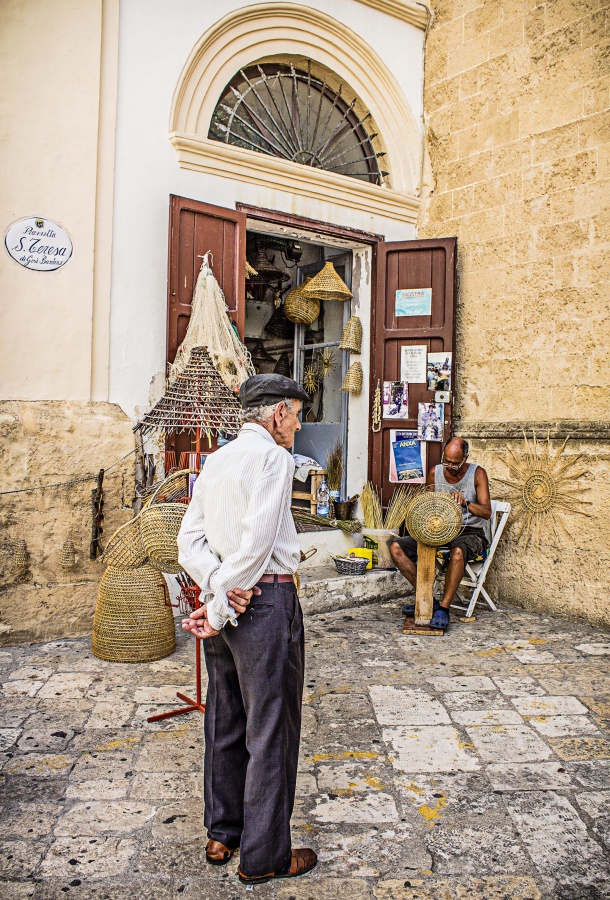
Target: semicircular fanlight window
(282,111)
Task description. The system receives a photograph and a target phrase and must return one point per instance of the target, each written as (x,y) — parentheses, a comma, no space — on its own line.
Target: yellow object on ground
(364,554)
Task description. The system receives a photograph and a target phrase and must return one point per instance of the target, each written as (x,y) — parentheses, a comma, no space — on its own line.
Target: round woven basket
(124,550)
(300,308)
(327,285)
(159,527)
(352,383)
(434,519)
(356,565)
(133,620)
(351,338)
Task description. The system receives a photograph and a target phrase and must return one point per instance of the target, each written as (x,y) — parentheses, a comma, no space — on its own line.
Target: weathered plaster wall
(516,97)
(44,443)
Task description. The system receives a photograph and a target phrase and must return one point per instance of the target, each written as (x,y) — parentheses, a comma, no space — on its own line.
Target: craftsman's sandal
(440,619)
(300,862)
(409,608)
(217,854)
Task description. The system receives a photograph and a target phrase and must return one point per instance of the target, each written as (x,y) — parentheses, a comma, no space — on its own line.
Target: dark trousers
(253,728)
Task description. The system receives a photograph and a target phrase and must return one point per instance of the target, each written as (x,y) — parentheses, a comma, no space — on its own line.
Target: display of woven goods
(352,383)
(327,285)
(133,620)
(124,550)
(351,338)
(434,519)
(299,307)
(198,398)
(159,527)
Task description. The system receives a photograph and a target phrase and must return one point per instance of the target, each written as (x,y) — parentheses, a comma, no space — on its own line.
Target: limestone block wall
(518,132)
(42,443)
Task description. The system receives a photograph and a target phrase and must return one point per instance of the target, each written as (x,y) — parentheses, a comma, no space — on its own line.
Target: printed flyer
(407,457)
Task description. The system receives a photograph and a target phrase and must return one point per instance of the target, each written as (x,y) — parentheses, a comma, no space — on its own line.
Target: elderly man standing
(469,486)
(239,543)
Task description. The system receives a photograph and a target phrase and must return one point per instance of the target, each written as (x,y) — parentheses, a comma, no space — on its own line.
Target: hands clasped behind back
(197,623)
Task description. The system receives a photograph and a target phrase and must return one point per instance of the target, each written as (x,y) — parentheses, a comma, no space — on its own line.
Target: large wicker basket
(434,519)
(133,620)
(159,527)
(300,308)
(124,550)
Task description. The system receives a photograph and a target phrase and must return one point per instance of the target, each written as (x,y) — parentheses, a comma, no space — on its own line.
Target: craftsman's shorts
(471,541)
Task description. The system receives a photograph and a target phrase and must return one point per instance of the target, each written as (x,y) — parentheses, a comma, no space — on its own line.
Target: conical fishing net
(211,327)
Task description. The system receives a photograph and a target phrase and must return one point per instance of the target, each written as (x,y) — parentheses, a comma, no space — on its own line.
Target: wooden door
(195,228)
(399,265)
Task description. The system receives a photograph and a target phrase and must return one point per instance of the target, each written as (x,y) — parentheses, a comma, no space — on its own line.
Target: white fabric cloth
(304,465)
(238,525)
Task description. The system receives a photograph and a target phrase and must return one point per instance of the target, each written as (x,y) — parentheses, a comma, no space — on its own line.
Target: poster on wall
(413,363)
(395,400)
(413,302)
(439,371)
(407,457)
(430,421)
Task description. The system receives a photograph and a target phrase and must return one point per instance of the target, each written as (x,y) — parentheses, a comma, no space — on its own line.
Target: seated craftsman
(469,486)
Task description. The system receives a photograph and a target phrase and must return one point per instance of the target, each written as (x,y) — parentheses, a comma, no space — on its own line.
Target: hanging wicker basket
(434,519)
(124,550)
(133,620)
(20,557)
(328,285)
(300,308)
(159,527)
(351,338)
(352,383)
(279,326)
(68,555)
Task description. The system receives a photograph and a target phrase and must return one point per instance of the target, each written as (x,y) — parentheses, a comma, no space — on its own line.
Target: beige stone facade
(517,103)
(46,443)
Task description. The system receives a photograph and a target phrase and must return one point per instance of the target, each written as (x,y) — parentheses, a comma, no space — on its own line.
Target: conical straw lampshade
(352,336)
(327,285)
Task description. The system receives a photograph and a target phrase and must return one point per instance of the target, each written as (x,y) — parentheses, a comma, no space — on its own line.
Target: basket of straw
(159,527)
(300,308)
(352,336)
(379,529)
(352,383)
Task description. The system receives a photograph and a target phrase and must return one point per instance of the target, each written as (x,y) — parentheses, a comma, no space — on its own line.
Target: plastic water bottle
(323,498)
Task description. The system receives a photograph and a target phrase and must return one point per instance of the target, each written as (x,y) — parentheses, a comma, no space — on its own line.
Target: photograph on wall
(407,457)
(430,421)
(413,363)
(439,371)
(413,302)
(395,400)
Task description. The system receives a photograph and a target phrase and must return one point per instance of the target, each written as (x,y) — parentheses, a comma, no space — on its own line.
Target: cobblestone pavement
(471,766)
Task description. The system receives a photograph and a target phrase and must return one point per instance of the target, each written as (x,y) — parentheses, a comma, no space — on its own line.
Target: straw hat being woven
(434,519)
(352,335)
(133,620)
(300,308)
(327,285)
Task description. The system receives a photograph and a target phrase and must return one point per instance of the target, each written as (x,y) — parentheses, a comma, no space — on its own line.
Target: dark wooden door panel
(402,265)
(195,228)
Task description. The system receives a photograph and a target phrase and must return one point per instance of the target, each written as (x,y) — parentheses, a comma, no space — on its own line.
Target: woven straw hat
(352,335)
(327,285)
(300,308)
(352,383)
(434,519)
(133,620)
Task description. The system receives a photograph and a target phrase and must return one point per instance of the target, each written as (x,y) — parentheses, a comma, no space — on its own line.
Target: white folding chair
(475,572)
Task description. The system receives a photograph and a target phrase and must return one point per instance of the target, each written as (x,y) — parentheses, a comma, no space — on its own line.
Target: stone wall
(41,444)
(516,99)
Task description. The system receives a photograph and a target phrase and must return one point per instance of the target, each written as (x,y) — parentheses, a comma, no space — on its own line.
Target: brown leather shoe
(301,862)
(217,854)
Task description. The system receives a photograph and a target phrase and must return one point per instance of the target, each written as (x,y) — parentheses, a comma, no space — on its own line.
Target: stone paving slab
(470,767)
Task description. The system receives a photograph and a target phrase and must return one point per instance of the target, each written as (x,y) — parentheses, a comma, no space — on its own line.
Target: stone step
(323,590)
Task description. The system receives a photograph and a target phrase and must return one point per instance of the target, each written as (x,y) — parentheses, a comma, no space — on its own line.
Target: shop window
(286,111)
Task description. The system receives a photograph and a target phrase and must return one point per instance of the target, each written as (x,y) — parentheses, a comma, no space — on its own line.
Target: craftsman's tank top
(466,487)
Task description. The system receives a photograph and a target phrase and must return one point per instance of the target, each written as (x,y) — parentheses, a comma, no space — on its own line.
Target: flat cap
(264,390)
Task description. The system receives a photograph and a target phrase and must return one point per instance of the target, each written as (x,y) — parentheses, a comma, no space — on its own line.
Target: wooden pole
(426,558)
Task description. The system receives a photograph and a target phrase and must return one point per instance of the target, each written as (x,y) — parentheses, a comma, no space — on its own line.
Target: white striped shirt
(238,525)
